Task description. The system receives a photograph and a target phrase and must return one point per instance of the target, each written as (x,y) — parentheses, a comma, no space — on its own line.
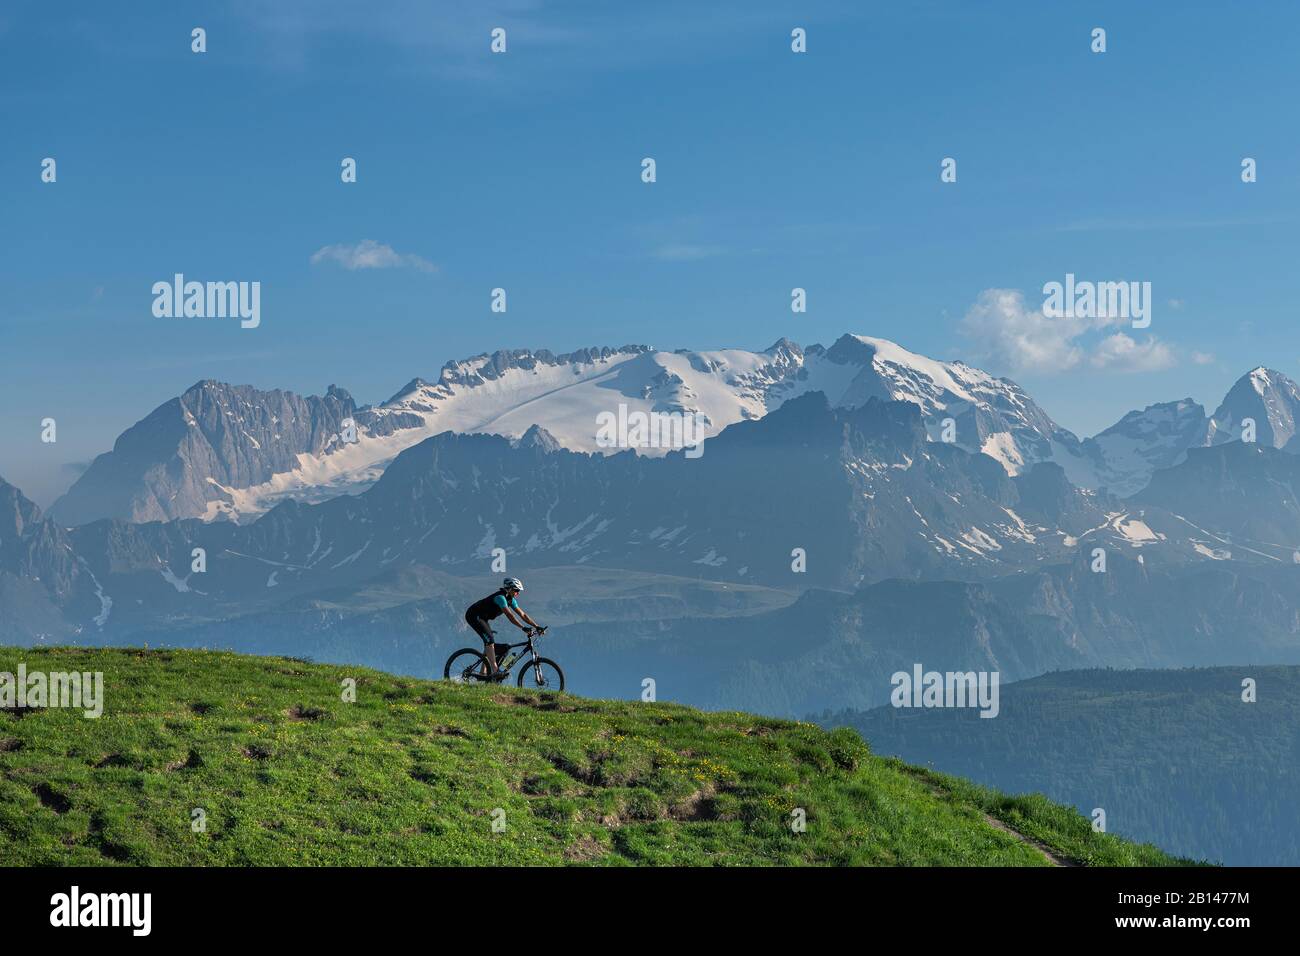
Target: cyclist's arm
(524,615)
(510,616)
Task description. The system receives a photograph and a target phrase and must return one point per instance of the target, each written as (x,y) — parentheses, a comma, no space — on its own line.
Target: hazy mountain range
(227,451)
(828,532)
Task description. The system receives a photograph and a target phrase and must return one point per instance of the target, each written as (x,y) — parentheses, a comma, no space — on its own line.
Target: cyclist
(504,600)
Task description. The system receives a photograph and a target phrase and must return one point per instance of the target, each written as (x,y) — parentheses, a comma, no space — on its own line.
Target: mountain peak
(17,513)
(850,348)
(414,385)
(1262,378)
(1265,396)
(784,344)
(183,459)
(539,438)
(1158,416)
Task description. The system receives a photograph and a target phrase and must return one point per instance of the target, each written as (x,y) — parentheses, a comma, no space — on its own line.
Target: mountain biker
(504,600)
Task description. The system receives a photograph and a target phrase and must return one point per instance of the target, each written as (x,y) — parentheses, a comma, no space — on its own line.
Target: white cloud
(1202,358)
(1016,337)
(1122,353)
(1011,336)
(369,254)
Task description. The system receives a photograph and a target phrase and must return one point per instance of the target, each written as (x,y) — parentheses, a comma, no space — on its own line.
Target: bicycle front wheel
(542,674)
(466,666)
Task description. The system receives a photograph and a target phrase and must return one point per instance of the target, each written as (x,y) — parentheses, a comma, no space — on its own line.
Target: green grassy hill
(413,773)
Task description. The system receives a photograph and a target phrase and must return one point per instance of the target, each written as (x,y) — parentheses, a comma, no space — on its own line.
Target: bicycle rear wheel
(466,666)
(545,674)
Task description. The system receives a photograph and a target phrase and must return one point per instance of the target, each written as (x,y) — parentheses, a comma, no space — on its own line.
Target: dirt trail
(1052,856)
(1047,852)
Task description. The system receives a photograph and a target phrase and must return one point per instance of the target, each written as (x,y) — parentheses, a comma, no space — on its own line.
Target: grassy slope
(288,773)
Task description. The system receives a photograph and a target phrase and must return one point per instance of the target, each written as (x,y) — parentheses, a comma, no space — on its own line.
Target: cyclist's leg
(480,627)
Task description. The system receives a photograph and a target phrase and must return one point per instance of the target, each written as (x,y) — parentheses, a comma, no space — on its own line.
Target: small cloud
(1202,358)
(75,468)
(683,252)
(369,254)
(1010,335)
(1176,304)
(1013,336)
(1122,353)
(97,294)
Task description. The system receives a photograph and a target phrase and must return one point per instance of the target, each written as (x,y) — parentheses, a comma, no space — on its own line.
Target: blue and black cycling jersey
(491,607)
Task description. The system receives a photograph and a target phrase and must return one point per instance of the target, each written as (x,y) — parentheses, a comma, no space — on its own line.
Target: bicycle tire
(528,670)
(472,660)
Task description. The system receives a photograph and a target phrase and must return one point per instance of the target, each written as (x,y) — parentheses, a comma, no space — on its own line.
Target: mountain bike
(468,666)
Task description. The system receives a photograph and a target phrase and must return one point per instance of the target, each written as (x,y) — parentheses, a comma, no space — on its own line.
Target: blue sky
(522,170)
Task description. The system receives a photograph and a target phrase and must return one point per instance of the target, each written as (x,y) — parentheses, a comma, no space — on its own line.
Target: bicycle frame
(528,643)
(532,650)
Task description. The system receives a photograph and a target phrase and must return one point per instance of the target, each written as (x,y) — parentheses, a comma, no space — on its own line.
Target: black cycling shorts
(480,627)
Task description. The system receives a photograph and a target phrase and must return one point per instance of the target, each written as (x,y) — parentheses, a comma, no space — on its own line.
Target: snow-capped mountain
(805,496)
(1122,458)
(860,491)
(233,451)
(826,471)
(1268,397)
(186,458)
(224,451)
(990,415)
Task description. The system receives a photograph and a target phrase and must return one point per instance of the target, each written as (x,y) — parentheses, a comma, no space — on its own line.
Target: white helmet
(513,584)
